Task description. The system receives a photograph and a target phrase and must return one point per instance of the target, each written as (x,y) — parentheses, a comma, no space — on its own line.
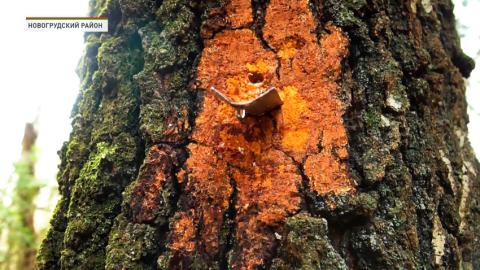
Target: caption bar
(81,24)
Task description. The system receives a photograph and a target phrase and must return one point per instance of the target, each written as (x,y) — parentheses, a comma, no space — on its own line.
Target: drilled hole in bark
(255,77)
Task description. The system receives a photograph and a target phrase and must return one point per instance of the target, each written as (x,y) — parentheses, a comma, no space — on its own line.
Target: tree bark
(366,165)
(22,237)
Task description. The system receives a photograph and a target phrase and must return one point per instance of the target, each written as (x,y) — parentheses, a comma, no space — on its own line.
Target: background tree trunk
(365,166)
(26,192)
(22,237)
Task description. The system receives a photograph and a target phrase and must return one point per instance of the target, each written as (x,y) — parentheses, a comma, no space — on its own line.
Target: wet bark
(365,166)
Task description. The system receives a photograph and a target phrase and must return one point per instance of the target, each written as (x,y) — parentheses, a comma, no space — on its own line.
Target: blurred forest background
(35,114)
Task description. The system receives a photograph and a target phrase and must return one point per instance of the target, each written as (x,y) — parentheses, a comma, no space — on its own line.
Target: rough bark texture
(365,166)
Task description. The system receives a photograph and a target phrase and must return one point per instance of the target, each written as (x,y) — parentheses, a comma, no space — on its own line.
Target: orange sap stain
(208,190)
(239,90)
(259,155)
(239,13)
(294,132)
(326,175)
(289,48)
(184,228)
(145,196)
(267,194)
(260,66)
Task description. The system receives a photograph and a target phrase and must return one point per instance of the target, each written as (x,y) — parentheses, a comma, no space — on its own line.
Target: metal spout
(262,104)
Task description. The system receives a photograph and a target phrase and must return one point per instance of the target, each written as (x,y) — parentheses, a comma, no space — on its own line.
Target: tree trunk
(366,165)
(22,238)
